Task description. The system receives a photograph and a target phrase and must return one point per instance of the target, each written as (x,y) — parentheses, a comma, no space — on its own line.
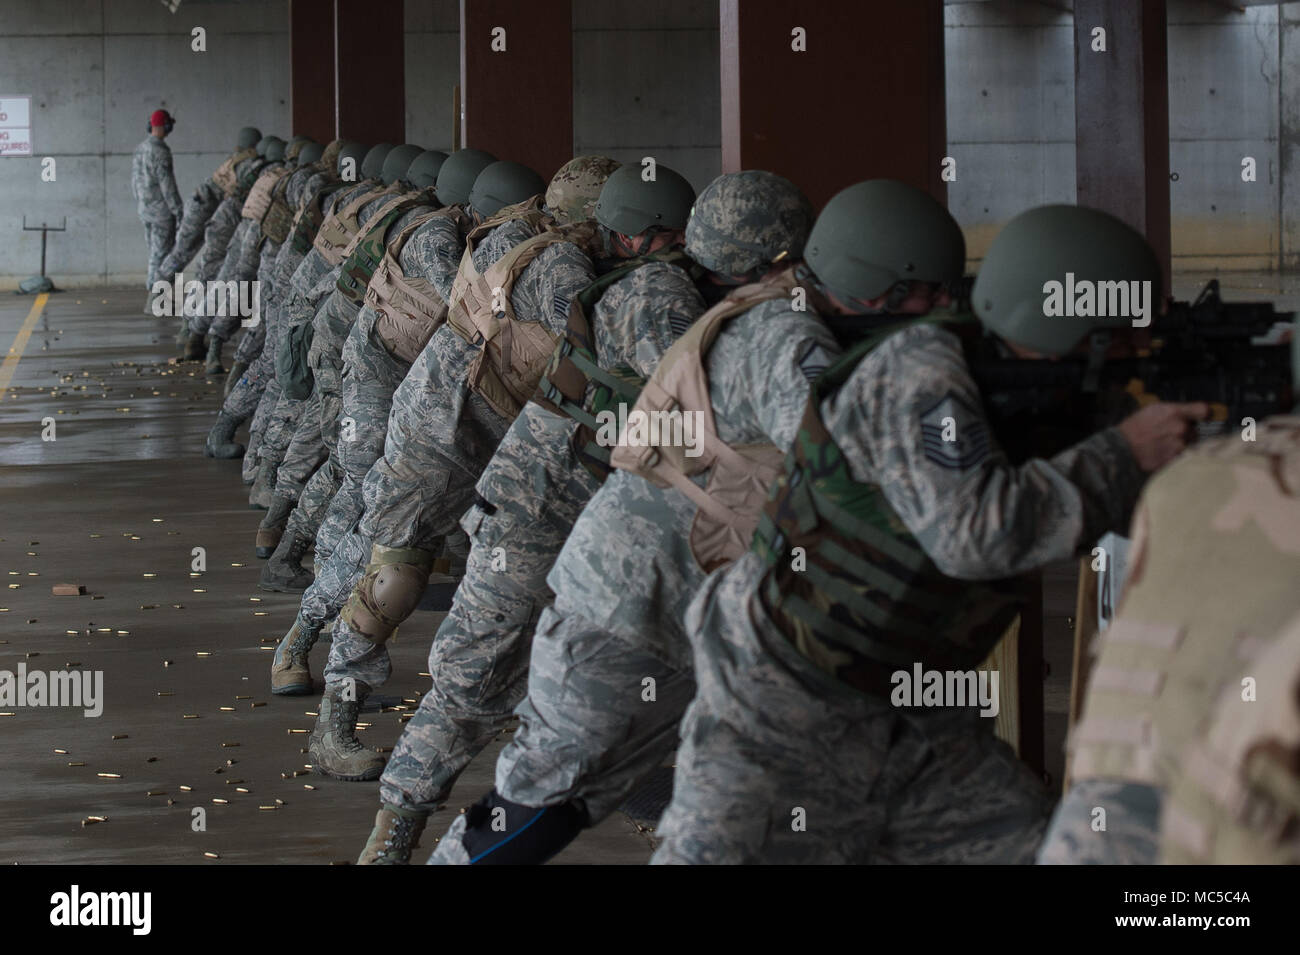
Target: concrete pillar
(1121,114)
(1289,133)
(311,75)
(863,99)
(516,80)
(370,71)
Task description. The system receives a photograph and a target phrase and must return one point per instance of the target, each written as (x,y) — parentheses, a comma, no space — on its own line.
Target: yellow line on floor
(15,354)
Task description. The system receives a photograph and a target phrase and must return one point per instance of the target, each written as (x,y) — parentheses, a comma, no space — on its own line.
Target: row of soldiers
(445,342)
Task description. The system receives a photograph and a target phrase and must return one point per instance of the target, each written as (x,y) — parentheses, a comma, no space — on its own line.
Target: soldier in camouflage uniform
(541,476)
(375,359)
(254,370)
(588,735)
(199,209)
(317,434)
(885,546)
(442,431)
(1220,520)
(157,201)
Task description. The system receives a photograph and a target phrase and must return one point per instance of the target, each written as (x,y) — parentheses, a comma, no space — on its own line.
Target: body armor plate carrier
(225,177)
(364,253)
(338,230)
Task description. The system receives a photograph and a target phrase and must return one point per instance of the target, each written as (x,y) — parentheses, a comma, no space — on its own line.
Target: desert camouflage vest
(1214,576)
(575,386)
(846,581)
(408,308)
(259,197)
(738,476)
(1235,798)
(514,352)
(366,249)
(337,231)
(225,176)
(307,220)
(279,216)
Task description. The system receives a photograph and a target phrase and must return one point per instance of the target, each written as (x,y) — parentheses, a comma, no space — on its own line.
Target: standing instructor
(158,202)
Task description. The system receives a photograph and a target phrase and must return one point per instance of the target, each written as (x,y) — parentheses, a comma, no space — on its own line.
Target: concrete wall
(95,70)
(432,70)
(1010,85)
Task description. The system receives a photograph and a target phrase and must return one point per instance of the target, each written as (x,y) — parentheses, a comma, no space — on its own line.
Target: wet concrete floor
(117,502)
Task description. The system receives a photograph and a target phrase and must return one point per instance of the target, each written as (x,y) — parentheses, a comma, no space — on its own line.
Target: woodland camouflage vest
(1214,577)
(862,599)
(575,386)
(279,217)
(409,308)
(307,220)
(337,231)
(514,352)
(728,505)
(366,249)
(247,178)
(225,177)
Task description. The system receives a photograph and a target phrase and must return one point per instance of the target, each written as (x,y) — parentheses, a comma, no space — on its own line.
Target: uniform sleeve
(434,253)
(911,419)
(167,184)
(646,312)
(550,283)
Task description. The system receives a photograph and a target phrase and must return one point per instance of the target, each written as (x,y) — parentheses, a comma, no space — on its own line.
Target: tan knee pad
(390,590)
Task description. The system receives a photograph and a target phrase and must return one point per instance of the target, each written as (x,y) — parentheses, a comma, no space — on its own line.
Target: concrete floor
(117,502)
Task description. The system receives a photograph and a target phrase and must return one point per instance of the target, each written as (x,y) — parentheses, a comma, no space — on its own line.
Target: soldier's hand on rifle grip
(1159,432)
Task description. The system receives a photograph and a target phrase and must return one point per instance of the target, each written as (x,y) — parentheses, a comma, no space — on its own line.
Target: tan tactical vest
(337,232)
(409,308)
(514,352)
(225,176)
(1214,575)
(259,197)
(1235,797)
(279,217)
(739,477)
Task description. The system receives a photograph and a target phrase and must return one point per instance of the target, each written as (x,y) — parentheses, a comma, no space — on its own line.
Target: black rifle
(1203,350)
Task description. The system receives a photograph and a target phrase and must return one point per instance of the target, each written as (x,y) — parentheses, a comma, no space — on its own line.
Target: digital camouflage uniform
(157,201)
(199,208)
(441,436)
(219,229)
(772,740)
(621,583)
(529,497)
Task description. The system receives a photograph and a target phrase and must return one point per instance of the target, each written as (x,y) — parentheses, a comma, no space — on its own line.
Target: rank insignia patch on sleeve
(953,435)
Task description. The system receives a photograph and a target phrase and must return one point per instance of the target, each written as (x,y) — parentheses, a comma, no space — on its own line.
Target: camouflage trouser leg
(1125,832)
(216,237)
(243,400)
(189,238)
(262,419)
(370,376)
(479,658)
(339,573)
(159,235)
(306,451)
(251,343)
(320,489)
(780,762)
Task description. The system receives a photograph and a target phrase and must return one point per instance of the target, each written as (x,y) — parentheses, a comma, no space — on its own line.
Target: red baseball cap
(160,117)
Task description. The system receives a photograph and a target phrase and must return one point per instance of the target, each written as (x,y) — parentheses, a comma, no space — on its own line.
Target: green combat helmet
(264,142)
(294,149)
(397,161)
(457,175)
(423,171)
(501,184)
(744,221)
(630,205)
(877,233)
(1043,245)
(310,153)
(372,167)
(574,190)
(274,151)
(355,152)
(248,138)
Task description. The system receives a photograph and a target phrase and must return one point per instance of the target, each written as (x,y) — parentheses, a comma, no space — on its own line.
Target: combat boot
(284,572)
(213,366)
(237,370)
(221,439)
(273,523)
(259,495)
(194,347)
(290,674)
(333,746)
(396,833)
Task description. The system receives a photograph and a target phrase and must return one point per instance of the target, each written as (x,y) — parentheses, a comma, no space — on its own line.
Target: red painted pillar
(1121,115)
(516,78)
(369,70)
(311,69)
(863,99)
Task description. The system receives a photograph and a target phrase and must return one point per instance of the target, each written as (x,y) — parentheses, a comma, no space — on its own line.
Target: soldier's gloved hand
(1160,431)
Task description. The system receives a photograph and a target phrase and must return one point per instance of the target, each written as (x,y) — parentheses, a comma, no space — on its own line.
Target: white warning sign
(15,125)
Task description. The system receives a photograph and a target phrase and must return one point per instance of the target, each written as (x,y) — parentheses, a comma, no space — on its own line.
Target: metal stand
(44,230)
